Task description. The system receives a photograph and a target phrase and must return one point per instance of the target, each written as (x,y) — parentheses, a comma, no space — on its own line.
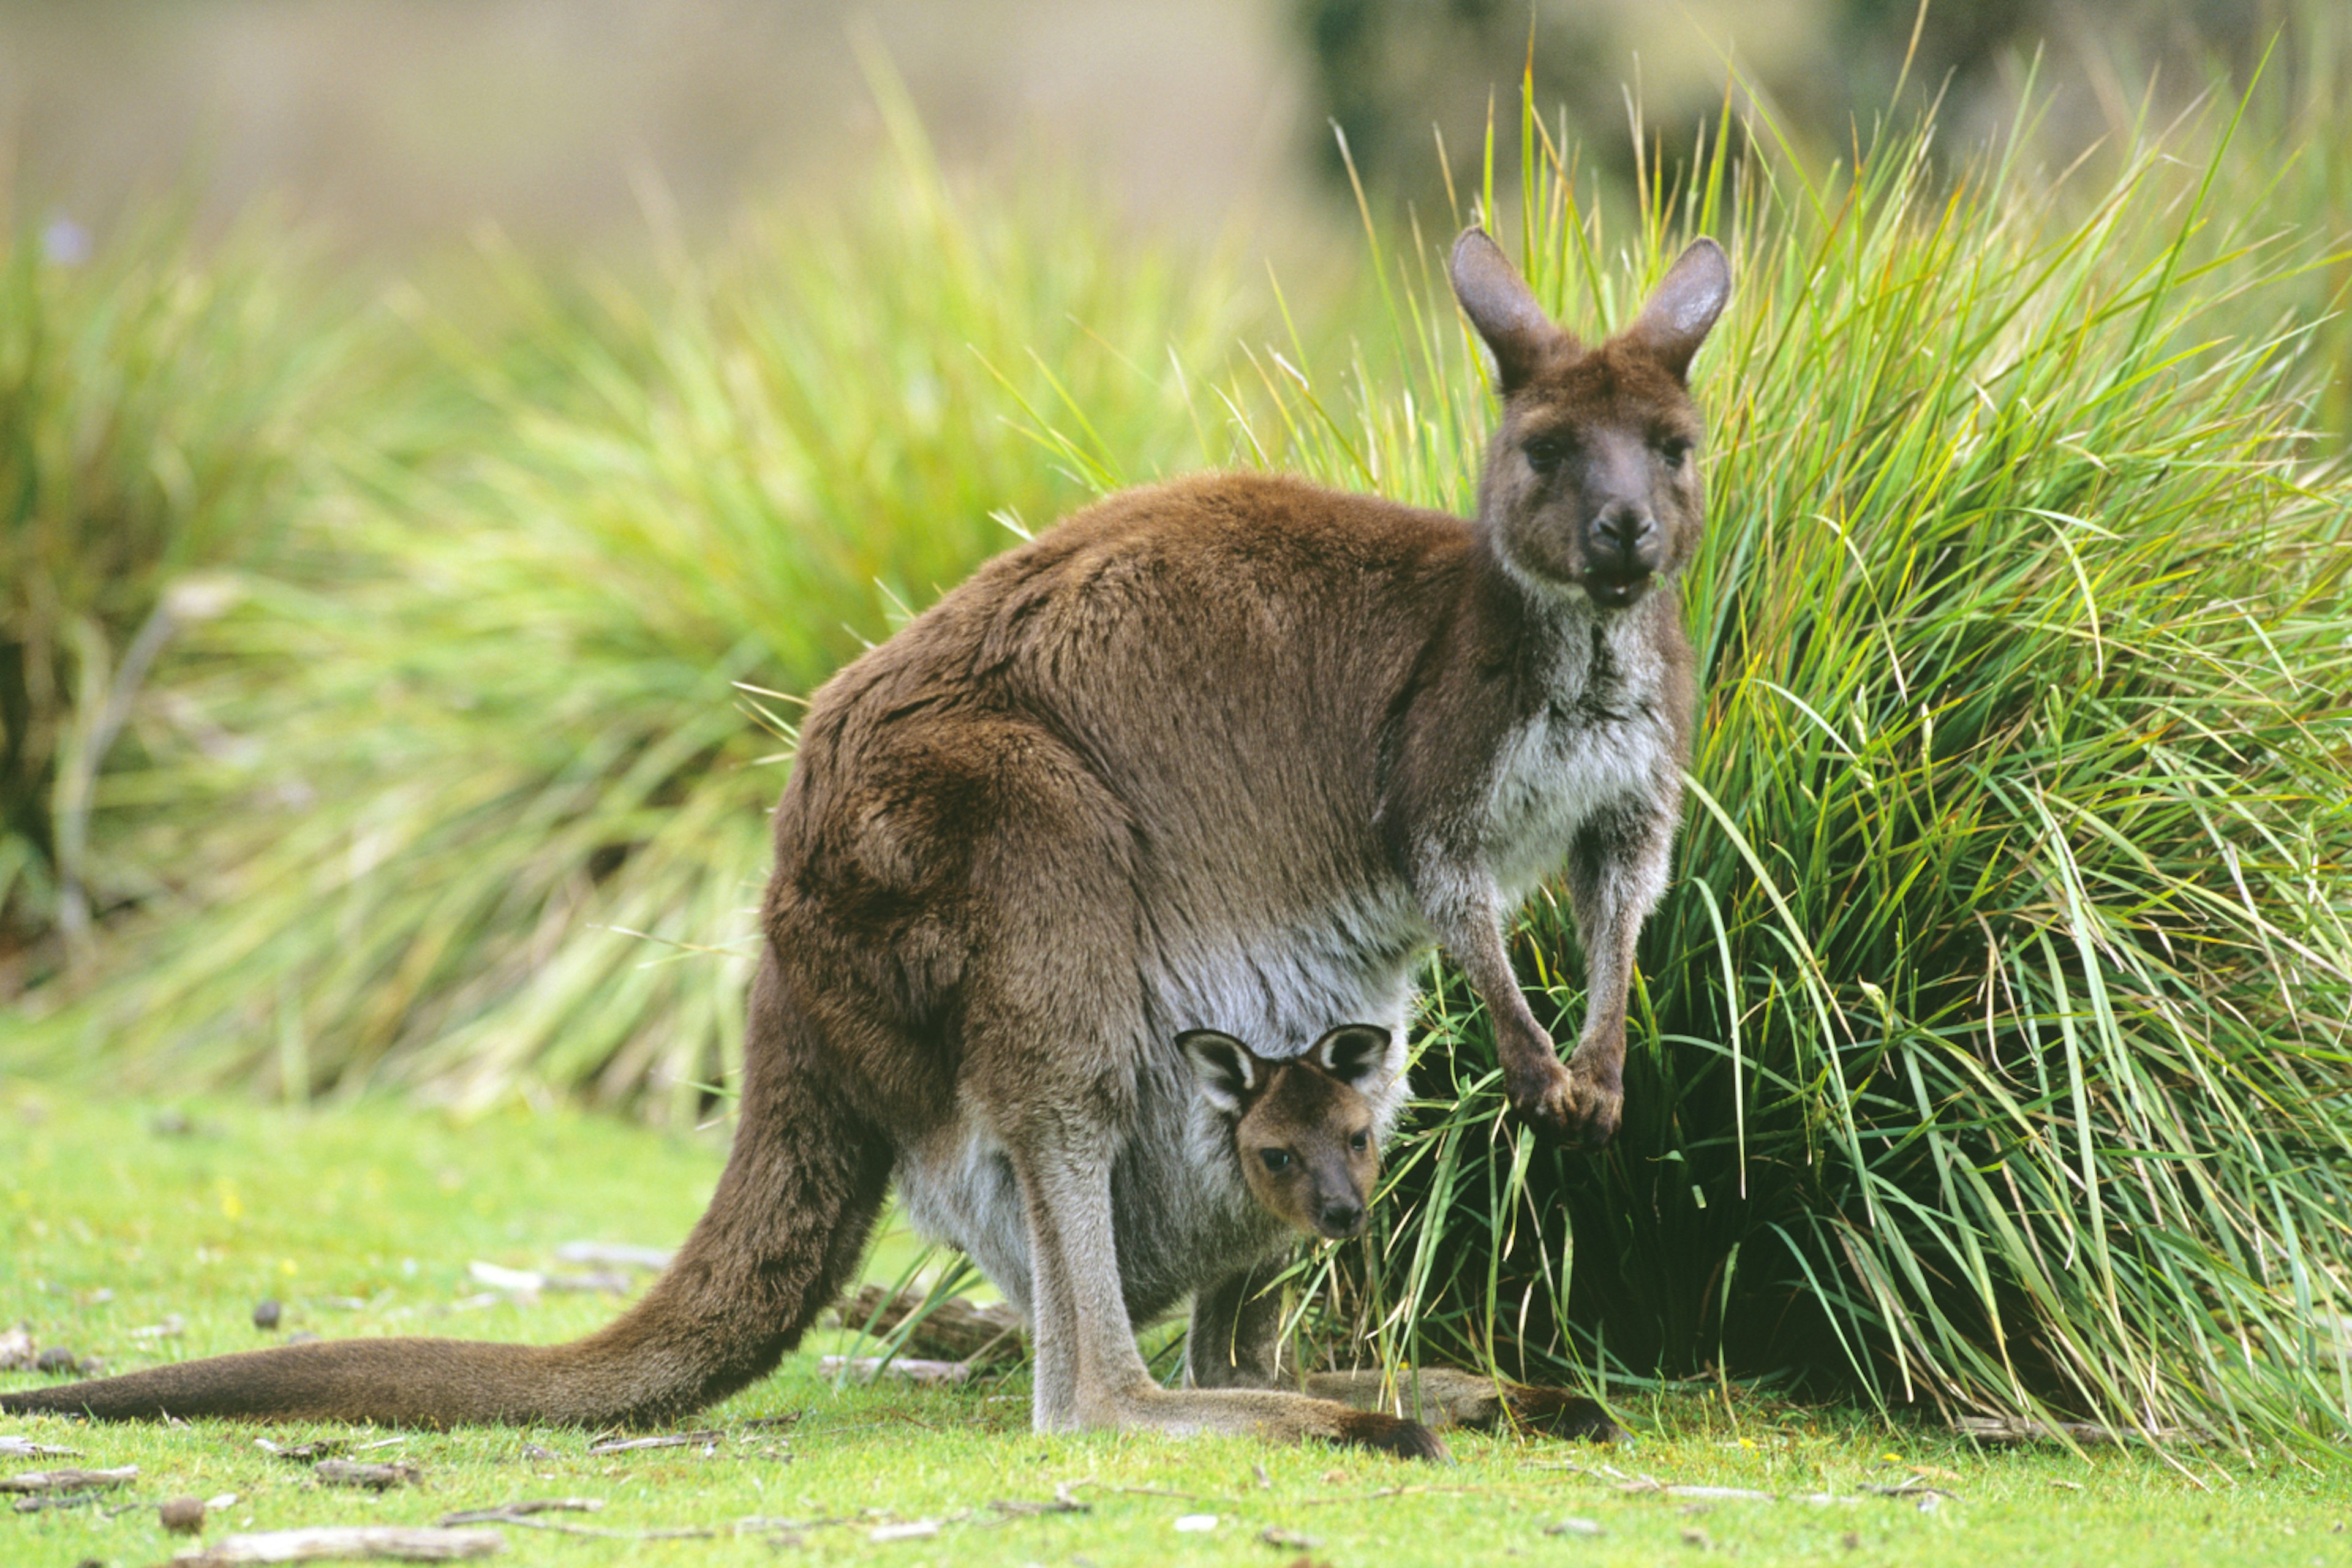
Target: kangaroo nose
(1624,529)
(1341,1219)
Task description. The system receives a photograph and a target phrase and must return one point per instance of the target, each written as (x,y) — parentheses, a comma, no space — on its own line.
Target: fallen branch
(952,1330)
(25,1448)
(303,1453)
(1063,1503)
(907,1369)
(56,1499)
(2013,1429)
(681,1532)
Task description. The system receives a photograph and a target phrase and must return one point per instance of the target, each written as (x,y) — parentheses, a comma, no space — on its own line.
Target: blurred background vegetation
(402,123)
(438,442)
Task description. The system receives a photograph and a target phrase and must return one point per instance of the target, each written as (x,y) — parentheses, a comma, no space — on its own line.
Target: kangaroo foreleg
(1543,1091)
(1616,869)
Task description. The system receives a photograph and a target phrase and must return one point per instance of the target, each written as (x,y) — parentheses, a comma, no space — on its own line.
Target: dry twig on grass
(706,1440)
(505,1512)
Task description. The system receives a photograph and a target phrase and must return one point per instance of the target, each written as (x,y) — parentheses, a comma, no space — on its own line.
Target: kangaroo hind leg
(1055,1042)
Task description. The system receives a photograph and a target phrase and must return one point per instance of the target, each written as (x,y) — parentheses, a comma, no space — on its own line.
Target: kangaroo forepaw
(1542,1095)
(1390,1434)
(1595,1107)
(1556,1413)
(1578,1107)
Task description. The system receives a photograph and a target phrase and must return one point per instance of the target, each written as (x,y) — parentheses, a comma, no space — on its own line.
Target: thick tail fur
(783,1233)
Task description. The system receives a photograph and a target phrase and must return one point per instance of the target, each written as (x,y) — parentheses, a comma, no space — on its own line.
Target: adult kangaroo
(1228,754)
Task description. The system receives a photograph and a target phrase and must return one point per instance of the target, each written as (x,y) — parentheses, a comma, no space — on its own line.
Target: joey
(1302,1132)
(1302,1136)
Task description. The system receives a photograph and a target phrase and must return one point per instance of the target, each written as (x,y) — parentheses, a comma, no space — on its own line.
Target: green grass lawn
(365,1221)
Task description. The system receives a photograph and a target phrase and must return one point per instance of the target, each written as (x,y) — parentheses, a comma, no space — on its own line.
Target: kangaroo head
(1302,1129)
(1590,484)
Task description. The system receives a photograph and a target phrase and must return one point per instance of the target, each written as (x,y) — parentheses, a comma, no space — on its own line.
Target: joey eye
(1360,1141)
(1674,449)
(1275,1159)
(1544,454)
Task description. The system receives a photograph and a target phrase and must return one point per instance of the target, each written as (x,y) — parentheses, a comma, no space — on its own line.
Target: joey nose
(1340,1220)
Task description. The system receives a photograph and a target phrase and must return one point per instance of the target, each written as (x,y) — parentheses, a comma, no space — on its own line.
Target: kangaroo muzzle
(1623,550)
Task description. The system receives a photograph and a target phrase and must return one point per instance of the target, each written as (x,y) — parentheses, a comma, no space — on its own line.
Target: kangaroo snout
(1624,549)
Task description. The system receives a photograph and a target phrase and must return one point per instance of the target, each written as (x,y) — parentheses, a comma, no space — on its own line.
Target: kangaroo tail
(783,1233)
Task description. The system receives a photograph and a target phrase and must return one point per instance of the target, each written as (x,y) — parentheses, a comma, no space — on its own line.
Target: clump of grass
(523,731)
(155,397)
(1990,1045)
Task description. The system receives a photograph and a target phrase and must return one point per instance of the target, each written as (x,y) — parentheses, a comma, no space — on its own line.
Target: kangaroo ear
(1503,309)
(1679,315)
(1353,1053)
(1226,1067)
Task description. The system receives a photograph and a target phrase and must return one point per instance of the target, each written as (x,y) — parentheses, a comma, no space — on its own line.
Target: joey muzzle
(1339,1219)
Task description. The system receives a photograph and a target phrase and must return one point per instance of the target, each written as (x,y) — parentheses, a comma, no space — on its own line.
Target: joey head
(1232,752)
(1302,1131)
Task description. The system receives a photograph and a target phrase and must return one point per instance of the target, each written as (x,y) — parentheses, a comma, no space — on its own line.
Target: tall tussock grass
(1991,1045)
(156,397)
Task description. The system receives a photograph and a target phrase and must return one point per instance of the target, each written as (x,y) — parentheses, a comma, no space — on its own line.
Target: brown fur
(1226,753)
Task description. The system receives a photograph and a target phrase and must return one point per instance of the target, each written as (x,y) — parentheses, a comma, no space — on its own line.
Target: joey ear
(1688,299)
(1503,307)
(1226,1067)
(1353,1052)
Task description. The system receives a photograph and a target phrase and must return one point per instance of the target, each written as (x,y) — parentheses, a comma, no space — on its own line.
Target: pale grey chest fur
(1598,739)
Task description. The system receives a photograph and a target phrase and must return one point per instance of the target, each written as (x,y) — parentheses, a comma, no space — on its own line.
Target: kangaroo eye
(1275,1159)
(1673,449)
(1360,1141)
(1546,453)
